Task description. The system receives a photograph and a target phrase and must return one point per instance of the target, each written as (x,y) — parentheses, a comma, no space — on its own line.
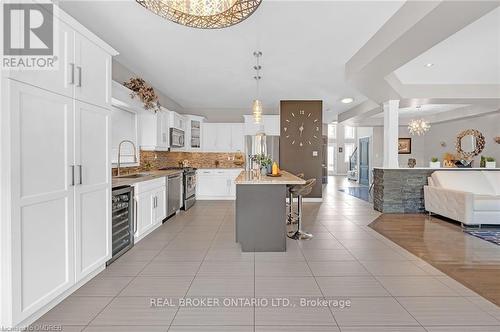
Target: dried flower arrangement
(145,93)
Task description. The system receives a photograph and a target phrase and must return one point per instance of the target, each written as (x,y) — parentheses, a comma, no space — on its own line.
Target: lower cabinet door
(161,205)
(42,194)
(92,189)
(144,213)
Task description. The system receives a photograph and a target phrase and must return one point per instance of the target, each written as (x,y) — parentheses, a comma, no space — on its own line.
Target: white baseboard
(311,199)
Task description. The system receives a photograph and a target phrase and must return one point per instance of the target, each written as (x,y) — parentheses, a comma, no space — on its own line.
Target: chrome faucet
(120,154)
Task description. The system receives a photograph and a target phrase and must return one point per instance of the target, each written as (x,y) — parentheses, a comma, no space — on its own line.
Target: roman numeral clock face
(302,128)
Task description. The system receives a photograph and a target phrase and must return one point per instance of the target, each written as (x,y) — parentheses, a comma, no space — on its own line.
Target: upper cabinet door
(92,73)
(42,196)
(237,137)
(93,188)
(60,79)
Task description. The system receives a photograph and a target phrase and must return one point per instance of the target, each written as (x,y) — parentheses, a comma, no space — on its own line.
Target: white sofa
(471,197)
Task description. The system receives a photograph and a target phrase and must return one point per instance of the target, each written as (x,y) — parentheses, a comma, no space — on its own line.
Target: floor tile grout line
(319,288)
(133,278)
(199,267)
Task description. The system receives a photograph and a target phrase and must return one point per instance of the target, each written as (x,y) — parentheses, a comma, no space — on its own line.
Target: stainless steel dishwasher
(174,183)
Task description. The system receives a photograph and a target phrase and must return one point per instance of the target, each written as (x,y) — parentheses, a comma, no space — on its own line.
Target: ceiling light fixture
(429,65)
(418,127)
(203,14)
(257,104)
(347,100)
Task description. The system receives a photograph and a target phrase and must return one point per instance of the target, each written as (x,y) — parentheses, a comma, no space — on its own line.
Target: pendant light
(418,126)
(257,104)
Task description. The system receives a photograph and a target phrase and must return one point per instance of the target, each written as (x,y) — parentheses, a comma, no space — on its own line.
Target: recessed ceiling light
(429,65)
(347,100)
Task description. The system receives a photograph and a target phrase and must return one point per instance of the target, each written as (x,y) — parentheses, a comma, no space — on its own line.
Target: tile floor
(194,256)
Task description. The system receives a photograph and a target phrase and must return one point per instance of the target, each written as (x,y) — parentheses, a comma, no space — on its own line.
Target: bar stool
(290,219)
(300,191)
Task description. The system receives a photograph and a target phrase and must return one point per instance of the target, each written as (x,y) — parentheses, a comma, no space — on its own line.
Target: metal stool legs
(299,234)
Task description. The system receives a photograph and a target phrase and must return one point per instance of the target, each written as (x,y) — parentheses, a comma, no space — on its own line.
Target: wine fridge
(123,221)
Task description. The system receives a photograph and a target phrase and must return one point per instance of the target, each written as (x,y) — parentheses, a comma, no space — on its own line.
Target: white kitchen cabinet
(177,121)
(216,184)
(93,189)
(83,70)
(150,205)
(61,186)
(194,132)
(154,132)
(223,137)
(60,80)
(41,214)
(237,137)
(92,72)
(270,124)
(56,174)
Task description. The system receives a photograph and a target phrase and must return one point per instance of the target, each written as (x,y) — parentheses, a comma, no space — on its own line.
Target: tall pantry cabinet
(55,176)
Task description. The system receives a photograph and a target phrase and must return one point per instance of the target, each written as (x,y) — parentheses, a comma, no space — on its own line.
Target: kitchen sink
(134,176)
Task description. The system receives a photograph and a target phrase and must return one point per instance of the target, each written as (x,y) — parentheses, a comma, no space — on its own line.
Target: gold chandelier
(418,127)
(203,14)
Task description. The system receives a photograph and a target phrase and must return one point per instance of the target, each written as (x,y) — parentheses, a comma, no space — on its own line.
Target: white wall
(428,146)
(488,125)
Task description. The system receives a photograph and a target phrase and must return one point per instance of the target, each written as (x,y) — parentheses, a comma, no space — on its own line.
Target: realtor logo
(28,36)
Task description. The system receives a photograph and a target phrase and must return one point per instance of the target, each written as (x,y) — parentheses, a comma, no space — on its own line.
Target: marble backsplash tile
(151,160)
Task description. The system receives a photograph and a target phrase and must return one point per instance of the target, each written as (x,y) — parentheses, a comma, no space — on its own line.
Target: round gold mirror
(470,143)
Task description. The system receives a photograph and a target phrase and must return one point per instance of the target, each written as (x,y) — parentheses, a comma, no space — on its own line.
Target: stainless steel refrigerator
(263,144)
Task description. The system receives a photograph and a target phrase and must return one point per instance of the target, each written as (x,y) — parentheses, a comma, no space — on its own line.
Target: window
(349,132)
(332,132)
(348,150)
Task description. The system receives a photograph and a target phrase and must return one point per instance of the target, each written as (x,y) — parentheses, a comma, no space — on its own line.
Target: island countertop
(285,178)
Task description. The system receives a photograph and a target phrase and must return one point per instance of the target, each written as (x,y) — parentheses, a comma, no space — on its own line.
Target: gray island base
(261,211)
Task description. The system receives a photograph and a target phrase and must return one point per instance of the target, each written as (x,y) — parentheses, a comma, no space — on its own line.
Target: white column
(391,133)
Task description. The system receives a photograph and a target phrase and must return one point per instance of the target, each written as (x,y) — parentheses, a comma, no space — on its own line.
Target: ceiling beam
(414,29)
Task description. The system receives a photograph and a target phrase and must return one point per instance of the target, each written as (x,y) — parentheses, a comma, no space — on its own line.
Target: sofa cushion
(468,181)
(494,178)
(486,203)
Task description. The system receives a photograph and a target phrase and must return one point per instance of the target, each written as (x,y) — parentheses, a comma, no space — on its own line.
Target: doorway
(364,161)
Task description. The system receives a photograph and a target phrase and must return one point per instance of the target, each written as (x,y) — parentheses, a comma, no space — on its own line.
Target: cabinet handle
(79,69)
(72,74)
(135,216)
(72,175)
(81,173)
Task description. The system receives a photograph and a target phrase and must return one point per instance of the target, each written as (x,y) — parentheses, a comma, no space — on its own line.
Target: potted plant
(482,163)
(267,164)
(434,163)
(490,162)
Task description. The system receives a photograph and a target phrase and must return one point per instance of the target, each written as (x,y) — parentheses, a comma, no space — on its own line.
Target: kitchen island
(261,210)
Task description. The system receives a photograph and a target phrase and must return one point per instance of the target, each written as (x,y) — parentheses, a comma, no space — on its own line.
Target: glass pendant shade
(257,111)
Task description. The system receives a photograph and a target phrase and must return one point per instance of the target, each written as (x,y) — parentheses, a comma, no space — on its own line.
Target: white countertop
(285,178)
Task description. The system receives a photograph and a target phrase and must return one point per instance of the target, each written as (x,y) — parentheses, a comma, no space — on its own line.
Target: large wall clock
(301,128)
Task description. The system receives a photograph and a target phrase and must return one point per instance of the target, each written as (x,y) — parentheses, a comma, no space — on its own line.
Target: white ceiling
(305,46)
(470,56)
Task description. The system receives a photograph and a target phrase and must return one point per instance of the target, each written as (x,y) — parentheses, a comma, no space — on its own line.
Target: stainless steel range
(189,186)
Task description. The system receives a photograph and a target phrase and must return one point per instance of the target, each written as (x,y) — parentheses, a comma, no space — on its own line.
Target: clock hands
(301,129)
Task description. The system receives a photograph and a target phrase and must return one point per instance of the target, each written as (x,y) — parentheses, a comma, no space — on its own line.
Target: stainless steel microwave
(176,138)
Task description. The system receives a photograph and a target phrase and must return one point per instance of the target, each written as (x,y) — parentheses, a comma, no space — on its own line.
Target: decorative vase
(491,164)
(269,169)
(435,164)
(263,170)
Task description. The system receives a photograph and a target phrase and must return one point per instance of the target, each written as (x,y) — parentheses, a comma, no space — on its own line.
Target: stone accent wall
(159,159)
(399,191)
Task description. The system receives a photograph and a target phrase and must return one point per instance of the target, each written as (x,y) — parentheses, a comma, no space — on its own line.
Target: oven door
(190,185)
